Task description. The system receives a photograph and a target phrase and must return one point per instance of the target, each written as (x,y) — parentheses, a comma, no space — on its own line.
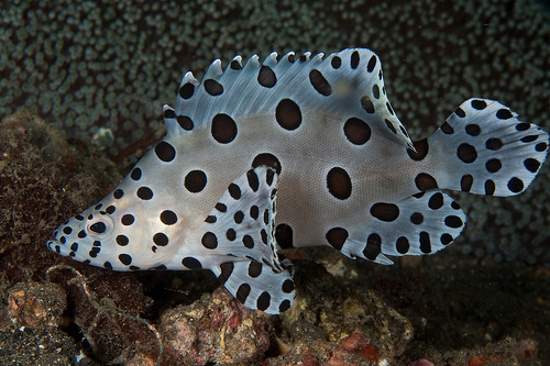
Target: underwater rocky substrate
(447,309)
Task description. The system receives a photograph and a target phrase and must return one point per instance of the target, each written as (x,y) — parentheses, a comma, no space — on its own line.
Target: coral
(214,329)
(103,72)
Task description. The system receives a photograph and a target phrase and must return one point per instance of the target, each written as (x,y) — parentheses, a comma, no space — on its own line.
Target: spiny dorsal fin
(348,83)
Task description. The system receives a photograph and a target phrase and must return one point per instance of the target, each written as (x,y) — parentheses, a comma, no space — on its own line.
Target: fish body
(295,152)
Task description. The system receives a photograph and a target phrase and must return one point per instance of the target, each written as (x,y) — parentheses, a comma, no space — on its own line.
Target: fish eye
(98,227)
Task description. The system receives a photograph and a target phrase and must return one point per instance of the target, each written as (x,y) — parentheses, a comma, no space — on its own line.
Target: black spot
(283,236)
(447,129)
(504,114)
(389,108)
(230,234)
(288,114)
(224,128)
(374,246)
(242,292)
(269,160)
(425,244)
(254,212)
(263,301)
(269,175)
(367,105)
(531,164)
(372,64)
(291,58)
(466,182)
(248,241)
(389,125)
(319,83)
(187,90)
(493,144)
(97,207)
(354,60)
(493,165)
(417,218)
(402,245)
(125,259)
(455,205)
(422,149)
(145,193)
(336,237)
(541,146)
(478,104)
(467,153)
(168,217)
(191,263)
(127,219)
(79,217)
(185,122)
(110,209)
(108,265)
(122,240)
(473,130)
(515,185)
(96,243)
(489,187)
(209,240)
(74,247)
(425,182)
(169,114)
(252,178)
(529,138)
(263,234)
(67,230)
(284,305)
(213,87)
(436,201)
(234,191)
(288,286)
(94,252)
(118,193)
(339,183)
(227,269)
(136,174)
(336,62)
(211,219)
(357,131)
(254,269)
(82,234)
(99,227)
(235,65)
(195,181)
(460,112)
(446,239)
(385,211)
(238,217)
(266,216)
(160,239)
(165,151)
(266,77)
(453,221)
(522,126)
(375,91)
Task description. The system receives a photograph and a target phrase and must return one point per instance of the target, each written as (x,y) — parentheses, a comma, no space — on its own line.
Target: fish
(294,152)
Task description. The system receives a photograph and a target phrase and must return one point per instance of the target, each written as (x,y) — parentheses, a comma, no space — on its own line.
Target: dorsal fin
(347,83)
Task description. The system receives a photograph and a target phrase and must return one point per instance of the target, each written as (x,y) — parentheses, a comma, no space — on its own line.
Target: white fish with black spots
(317,138)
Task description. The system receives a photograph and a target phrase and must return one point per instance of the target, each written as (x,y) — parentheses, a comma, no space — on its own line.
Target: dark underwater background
(82,86)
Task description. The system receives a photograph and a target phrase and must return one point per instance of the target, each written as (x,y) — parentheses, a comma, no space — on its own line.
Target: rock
(215,329)
(35,304)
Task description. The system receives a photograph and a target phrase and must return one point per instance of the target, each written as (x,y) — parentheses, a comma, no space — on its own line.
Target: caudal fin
(483,148)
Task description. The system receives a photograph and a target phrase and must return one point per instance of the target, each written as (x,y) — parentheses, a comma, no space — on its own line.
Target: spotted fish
(316,137)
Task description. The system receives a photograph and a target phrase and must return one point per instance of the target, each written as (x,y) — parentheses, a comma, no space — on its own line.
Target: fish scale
(296,152)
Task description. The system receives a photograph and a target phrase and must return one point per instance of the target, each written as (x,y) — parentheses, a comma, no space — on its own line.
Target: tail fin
(484,148)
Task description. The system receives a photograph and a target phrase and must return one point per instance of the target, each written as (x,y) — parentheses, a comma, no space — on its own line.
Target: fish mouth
(57,247)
